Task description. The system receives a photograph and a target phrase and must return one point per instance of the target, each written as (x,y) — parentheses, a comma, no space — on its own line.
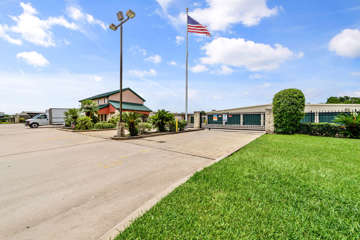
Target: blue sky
(57,52)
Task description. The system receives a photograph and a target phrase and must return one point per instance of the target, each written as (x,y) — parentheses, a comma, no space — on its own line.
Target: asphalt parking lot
(65,185)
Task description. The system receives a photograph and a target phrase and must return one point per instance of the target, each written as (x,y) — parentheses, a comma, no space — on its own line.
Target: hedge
(104,125)
(322,129)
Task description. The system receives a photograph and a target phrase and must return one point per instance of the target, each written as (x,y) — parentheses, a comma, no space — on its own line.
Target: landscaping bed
(277,187)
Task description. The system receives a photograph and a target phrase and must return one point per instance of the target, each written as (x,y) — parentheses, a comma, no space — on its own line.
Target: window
(98,101)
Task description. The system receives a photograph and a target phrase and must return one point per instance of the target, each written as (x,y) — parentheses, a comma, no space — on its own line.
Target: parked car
(53,116)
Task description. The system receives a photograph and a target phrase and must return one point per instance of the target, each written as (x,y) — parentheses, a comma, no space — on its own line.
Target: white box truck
(52,116)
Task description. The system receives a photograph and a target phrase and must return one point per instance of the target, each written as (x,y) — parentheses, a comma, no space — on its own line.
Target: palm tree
(90,109)
(132,119)
(71,116)
(351,123)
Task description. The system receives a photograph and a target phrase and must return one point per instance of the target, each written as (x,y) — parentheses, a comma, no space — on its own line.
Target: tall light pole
(122,20)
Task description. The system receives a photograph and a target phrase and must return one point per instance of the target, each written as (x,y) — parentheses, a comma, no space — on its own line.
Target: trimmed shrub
(84,123)
(322,129)
(144,126)
(104,125)
(288,109)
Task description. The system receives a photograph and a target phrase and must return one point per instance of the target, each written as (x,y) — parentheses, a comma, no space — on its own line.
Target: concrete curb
(154,135)
(121,226)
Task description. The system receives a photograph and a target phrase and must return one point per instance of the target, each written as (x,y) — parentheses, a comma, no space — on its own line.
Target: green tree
(343,100)
(71,116)
(161,119)
(90,109)
(351,123)
(288,109)
(132,119)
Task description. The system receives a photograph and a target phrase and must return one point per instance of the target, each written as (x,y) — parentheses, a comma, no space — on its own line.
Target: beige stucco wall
(100,101)
(128,96)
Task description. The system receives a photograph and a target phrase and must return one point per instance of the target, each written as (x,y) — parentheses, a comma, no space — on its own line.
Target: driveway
(64,185)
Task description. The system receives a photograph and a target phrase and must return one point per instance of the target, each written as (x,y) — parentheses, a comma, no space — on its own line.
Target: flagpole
(187,65)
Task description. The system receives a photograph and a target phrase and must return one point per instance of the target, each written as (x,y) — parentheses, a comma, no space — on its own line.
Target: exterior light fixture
(130,14)
(113,27)
(120,16)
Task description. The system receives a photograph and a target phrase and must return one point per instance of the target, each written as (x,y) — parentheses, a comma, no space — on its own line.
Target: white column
(317,120)
(241,119)
(262,120)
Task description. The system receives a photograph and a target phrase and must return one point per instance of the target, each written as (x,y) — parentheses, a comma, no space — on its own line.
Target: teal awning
(130,106)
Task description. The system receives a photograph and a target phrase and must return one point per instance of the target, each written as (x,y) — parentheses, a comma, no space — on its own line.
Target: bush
(84,123)
(144,126)
(351,124)
(161,119)
(114,119)
(288,109)
(132,119)
(322,129)
(71,116)
(104,125)
(181,125)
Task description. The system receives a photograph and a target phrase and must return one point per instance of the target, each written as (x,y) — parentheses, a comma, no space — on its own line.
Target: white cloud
(4,35)
(238,52)
(225,70)
(355,74)
(33,58)
(346,43)
(199,68)
(136,50)
(219,15)
(78,15)
(172,63)
(179,40)
(97,78)
(154,59)
(256,76)
(142,73)
(33,29)
(164,4)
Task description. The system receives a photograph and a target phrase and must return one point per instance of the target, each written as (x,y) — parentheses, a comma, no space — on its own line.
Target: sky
(55,52)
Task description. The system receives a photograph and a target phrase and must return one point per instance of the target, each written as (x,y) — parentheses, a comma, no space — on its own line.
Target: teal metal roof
(107,94)
(130,106)
(103,106)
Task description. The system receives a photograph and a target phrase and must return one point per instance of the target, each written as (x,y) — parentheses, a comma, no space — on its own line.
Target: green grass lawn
(277,187)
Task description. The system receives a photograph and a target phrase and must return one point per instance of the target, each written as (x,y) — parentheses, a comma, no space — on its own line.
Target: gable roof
(107,94)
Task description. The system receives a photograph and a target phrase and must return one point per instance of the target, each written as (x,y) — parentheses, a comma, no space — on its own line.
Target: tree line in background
(86,118)
(344,100)
(288,110)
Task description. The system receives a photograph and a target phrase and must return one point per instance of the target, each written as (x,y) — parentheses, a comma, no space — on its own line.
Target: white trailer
(53,116)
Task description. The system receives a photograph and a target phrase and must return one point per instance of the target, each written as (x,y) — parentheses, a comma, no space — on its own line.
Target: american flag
(195,27)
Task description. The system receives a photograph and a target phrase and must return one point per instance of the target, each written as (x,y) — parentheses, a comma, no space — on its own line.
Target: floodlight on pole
(120,17)
(130,14)
(113,27)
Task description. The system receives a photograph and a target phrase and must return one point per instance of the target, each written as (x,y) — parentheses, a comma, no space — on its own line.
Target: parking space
(64,185)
